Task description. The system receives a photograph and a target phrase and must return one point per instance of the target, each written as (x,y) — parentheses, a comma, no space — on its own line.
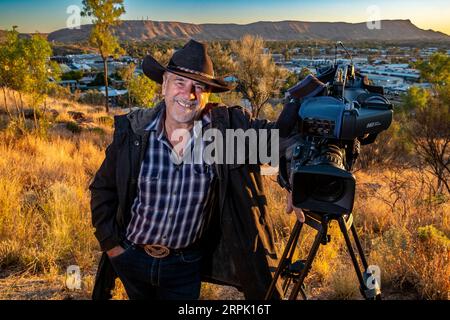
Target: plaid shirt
(170,205)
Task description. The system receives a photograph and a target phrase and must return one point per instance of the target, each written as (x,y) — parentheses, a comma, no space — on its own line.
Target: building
(113,94)
(277,57)
(392,70)
(71,84)
(385,81)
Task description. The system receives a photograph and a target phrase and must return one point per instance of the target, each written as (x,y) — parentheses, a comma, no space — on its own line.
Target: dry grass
(45,219)
(408,231)
(404,231)
(44,216)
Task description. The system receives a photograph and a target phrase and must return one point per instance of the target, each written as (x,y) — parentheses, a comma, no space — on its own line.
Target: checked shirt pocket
(153,183)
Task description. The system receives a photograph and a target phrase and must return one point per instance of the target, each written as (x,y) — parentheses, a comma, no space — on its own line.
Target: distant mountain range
(4,33)
(284,30)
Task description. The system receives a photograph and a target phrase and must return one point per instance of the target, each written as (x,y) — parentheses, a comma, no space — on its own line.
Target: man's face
(185,98)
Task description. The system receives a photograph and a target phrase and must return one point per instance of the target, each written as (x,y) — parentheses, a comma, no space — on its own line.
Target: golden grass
(45,218)
(404,230)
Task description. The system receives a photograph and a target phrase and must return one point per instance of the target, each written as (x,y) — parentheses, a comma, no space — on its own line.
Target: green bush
(432,234)
(73,127)
(98,131)
(72,75)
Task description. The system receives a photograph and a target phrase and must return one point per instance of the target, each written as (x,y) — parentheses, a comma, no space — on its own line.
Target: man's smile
(186,104)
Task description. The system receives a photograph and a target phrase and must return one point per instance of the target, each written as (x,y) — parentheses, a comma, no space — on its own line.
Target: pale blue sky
(50,15)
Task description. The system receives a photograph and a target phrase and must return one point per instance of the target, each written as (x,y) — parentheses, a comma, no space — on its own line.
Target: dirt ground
(26,287)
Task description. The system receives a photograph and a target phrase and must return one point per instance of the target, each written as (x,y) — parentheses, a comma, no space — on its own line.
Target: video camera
(339,111)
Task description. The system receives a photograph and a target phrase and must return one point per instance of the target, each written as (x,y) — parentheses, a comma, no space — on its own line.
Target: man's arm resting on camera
(257,124)
(242,119)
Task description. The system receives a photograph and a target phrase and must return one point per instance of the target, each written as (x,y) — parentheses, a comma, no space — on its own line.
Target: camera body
(331,128)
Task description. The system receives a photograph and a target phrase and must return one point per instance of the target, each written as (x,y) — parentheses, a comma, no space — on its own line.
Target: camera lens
(327,188)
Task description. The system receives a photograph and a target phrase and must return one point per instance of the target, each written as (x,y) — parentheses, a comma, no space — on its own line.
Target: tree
(303,74)
(291,80)
(429,113)
(430,132)
(36,53)
(106,14)
(12,72)
(221,58)
(25,66)
(259,79)
(73,75)
(99,80)
(126,74)
(7,65)
(286,53)
(436,71)
(143,91)
(163,56)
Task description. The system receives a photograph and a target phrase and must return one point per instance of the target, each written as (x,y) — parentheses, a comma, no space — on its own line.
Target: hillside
(3,34)
(283,30)
(44,201)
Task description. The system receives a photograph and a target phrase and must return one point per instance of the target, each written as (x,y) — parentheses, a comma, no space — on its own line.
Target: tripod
(296,272)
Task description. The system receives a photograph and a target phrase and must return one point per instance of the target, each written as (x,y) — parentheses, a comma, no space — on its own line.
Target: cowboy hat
(191,61)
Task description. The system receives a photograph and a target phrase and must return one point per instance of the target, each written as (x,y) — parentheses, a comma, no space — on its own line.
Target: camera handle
(298,271)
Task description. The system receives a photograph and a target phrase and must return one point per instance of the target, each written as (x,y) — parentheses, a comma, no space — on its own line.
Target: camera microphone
(339,43)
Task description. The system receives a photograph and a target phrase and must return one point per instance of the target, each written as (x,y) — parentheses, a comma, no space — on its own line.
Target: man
(165,224)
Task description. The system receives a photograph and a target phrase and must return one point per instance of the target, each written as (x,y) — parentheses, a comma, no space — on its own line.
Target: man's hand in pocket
(116,251)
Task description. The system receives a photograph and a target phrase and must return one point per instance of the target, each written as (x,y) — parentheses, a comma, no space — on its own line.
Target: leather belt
(160,251)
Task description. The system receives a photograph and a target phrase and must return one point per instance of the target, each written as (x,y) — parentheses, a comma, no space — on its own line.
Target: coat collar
(141,117)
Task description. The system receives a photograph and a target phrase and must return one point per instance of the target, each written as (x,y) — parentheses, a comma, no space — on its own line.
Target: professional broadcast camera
(337,111)
(331,128)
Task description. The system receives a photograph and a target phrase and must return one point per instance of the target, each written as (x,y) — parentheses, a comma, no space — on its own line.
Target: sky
(50,15)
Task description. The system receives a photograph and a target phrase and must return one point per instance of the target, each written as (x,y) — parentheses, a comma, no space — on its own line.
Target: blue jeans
(175,277)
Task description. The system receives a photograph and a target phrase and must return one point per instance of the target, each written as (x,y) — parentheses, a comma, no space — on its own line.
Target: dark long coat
(239,242)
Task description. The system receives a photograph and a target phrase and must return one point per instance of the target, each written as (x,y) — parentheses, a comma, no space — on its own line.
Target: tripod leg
(356,265)
(288,280)
(359,247)
(375,292)
(312,254)
(303,293)
(288,251)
